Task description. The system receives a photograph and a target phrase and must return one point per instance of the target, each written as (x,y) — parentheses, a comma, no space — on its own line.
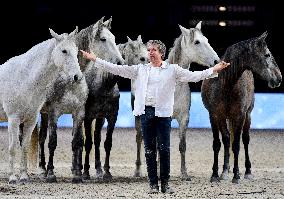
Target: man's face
(154,53)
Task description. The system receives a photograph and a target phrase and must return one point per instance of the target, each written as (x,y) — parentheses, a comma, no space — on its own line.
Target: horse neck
(43,74)
(176,55)
(238,62)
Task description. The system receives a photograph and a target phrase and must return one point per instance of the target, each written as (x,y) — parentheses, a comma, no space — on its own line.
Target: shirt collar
(164,65)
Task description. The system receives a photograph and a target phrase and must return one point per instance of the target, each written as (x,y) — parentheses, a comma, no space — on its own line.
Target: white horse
(135,52)
(25,81)
(190,47)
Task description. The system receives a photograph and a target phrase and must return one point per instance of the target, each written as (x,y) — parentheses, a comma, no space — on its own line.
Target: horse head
(134,51)
(263,62)
(103,42)
(64,54)
(195,47)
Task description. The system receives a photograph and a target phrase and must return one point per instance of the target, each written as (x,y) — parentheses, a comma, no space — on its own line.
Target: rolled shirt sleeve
(121,70)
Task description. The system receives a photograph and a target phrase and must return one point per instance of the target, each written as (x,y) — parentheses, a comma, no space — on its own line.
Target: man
(154,99)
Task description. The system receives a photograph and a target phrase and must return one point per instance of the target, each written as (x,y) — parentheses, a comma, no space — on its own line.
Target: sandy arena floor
(266,153)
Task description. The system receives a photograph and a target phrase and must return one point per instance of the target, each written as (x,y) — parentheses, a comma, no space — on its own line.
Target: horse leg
(97,142)
(237,129)
(27,132)
(77,147)
(183,122)
(216,148)
(246,139)
(52,146)
(13,131)
(42,138)
(226,143)
(137,172)
(108,145)
(33,148)
(88,147)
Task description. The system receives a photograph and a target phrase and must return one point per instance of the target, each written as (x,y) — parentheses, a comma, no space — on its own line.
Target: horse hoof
(13,179)
(51,179)
(185,177)
(224,176)
(23,181)
(12,182)
(107,176)
(42,176)
(137,174)
(236,181)
(215,179)
(86,176)
(99,175)
(77,180)
(248,176)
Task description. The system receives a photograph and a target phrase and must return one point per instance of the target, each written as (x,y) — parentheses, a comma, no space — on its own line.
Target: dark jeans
(156,131)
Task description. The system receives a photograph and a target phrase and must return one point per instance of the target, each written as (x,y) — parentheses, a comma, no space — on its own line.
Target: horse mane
(83,41)
(238,55)
(175,51)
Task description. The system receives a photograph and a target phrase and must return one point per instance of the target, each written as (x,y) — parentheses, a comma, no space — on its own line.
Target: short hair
(161,46)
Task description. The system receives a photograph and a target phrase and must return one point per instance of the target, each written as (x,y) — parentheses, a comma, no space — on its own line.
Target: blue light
(268,113)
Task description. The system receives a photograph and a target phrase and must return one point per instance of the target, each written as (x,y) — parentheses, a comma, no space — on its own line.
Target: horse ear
(100,24)
(55,35)
(198,26)
(107,23)
(128,39)
(73,34)
(263,36)
(139,39)
(184,31)
(102,19)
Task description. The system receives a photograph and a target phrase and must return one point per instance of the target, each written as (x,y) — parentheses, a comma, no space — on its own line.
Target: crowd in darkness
(26,24)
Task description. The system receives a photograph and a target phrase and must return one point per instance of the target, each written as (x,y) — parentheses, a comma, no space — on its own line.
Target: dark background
(24,24)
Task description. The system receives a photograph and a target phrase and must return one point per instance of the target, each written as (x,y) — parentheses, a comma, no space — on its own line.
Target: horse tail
(33,152)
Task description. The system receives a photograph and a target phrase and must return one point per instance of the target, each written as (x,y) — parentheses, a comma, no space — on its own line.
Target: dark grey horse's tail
(33,152)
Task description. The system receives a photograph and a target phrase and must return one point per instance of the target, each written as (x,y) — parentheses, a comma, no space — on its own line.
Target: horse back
(222,98)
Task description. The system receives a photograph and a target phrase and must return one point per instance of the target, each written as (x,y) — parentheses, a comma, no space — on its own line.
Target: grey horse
(135,52)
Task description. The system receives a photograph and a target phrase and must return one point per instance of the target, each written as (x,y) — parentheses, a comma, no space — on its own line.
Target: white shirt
(153,81)
(169,75)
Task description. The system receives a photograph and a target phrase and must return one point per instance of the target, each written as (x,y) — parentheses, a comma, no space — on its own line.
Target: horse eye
(64,51)
(267,55)
(103,39)
(197,42)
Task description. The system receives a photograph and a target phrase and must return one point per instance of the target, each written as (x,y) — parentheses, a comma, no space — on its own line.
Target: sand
(266,154)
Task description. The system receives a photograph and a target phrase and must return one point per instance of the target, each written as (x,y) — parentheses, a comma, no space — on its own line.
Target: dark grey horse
(230,99)
(103,99)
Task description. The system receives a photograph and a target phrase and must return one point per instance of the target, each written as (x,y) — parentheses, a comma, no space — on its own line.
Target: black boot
(154,189)
(165,188)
